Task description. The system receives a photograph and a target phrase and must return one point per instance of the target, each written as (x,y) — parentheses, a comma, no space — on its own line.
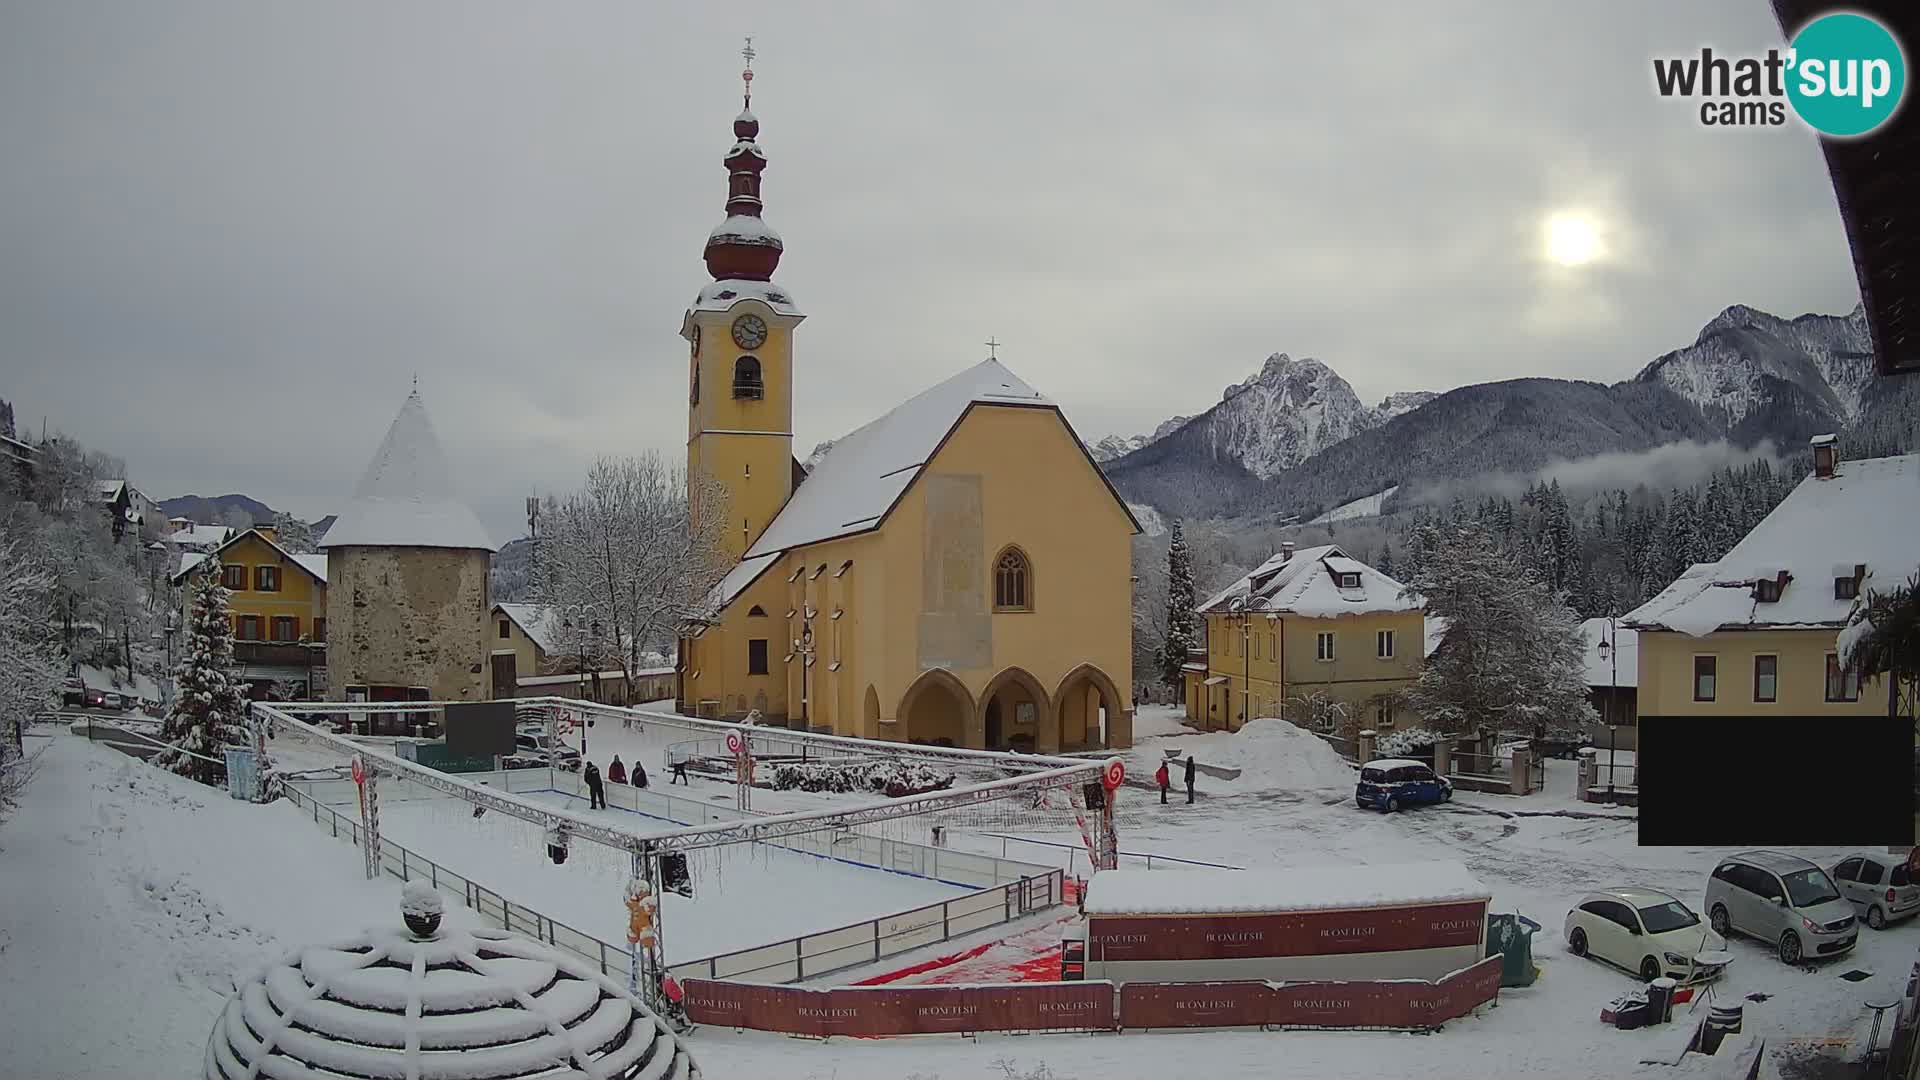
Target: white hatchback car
(1648,933)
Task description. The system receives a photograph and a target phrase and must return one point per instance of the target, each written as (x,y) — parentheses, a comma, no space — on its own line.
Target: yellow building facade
(275,595)
(956,572)
(1756,634)
(1313,636)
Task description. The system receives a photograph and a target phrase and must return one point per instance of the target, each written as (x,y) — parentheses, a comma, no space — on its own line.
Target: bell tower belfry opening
(739,333)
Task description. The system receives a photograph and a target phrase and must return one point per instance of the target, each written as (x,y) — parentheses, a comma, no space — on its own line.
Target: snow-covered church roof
(1866,514)
(859,480)
(458,1004)
(406,498)
(1307,582)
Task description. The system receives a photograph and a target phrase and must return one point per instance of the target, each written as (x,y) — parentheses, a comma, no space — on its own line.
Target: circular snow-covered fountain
(422,1001)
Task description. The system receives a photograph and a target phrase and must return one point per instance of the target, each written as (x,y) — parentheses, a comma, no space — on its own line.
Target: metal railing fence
(1004,889)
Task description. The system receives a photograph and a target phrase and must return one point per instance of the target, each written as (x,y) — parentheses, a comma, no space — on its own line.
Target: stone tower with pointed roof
(957,571)
(407,566)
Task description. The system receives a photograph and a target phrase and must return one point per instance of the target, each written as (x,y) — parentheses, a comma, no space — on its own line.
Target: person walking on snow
(1160,777)
(1189,778)
(679,774)
(616,772)
(596,791)
(639,774)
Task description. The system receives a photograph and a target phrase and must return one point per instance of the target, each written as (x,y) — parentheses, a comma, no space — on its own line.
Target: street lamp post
(803,648)
(1611,651)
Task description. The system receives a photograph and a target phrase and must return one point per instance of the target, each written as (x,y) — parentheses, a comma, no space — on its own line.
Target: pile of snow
(1271,755)
(420,898)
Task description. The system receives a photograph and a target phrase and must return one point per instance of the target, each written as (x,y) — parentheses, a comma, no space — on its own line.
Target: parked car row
(1793,906)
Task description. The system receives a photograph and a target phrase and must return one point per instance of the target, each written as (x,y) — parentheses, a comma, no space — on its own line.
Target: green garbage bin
(1511,936)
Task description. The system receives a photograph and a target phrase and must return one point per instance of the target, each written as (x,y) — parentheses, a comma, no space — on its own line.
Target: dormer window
(1348,581)
(1768,590)
(1845,588)
(746,379)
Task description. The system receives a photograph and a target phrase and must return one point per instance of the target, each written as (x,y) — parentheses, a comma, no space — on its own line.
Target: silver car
(1783,900)
(1879,887)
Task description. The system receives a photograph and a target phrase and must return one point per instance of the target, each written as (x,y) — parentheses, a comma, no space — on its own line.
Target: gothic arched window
(746,378)
(1012,581)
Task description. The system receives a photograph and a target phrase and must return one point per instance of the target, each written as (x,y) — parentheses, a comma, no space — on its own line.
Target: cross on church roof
(993,349)
(746,76)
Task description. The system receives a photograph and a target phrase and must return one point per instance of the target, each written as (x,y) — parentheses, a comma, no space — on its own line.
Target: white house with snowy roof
(407,566)
(955,572)
(1311,634)
(1756,633)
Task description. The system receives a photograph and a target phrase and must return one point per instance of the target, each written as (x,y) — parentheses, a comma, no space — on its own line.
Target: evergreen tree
(1386,559)
(1180,603)
(209,711)
(1512,658)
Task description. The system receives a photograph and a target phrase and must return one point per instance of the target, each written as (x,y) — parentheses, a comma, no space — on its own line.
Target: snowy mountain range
(1278,417)
(1295,439)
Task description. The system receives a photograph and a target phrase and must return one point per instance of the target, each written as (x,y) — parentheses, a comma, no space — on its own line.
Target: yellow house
(278,605)
(519,644)
(1313,635)
(1754,634)
(528,658)
(955,572)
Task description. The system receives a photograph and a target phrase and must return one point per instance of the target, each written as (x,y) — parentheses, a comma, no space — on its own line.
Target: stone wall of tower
(408,616)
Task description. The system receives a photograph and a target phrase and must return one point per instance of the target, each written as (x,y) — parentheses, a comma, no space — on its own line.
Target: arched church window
(746,378)
(1012,581)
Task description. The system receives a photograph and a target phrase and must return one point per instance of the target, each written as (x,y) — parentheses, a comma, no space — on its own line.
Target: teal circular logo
(1846,74)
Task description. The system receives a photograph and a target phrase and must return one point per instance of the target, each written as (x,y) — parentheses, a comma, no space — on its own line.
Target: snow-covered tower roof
(456,1004)
(743,247)
(405,498)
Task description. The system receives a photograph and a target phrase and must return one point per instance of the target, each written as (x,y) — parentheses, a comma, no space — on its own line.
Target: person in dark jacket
(1160,777)
(679,775)
(1189,777)
(639,775)
(596,791)
(616,772)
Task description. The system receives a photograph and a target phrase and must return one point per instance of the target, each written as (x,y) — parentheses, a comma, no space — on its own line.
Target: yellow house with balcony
(1756,633)
(278,606)
(956,572)
(1313,635)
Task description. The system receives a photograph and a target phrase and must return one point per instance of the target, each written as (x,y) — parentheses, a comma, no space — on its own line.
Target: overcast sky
(231,233)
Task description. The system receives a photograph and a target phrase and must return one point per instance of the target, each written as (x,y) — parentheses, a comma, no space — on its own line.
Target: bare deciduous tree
(623,565)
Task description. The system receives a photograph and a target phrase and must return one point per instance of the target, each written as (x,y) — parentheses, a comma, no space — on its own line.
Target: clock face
(749,332)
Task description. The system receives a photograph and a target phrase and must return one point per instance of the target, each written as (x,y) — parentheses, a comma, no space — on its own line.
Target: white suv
(1783,900)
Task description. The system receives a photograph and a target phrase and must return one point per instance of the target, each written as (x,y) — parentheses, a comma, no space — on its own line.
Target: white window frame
(1324,646)
(1383,644)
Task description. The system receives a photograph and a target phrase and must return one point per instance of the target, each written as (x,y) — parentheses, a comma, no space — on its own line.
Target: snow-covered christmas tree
(1180,604)
(209,712)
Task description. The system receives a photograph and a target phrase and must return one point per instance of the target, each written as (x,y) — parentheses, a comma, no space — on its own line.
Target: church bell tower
(739,333)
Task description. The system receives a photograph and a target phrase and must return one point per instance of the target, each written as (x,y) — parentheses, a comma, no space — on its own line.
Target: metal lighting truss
(1070,772)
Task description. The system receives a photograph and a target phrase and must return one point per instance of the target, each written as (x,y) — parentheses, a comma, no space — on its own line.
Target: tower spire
(743,246)
(746,75)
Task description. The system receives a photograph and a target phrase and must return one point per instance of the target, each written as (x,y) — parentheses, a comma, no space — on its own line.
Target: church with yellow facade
(956,572)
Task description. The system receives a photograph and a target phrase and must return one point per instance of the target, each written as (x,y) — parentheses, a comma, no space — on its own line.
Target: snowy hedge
(886,777)
(1403,743)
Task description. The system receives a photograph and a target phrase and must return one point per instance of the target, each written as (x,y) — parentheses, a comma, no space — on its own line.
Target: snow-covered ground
(128,898)
(1363,507)
(731,906)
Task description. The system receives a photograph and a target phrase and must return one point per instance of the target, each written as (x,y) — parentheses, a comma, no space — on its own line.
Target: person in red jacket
(1163,780)
(617,772)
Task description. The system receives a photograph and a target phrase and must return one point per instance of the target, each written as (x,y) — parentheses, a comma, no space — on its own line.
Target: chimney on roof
(1286,549)
(1826,454)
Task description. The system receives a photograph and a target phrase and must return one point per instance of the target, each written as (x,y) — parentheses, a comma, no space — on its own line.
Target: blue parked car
(1391,783)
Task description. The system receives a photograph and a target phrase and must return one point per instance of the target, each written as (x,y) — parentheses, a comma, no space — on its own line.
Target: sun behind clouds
(1571,238)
